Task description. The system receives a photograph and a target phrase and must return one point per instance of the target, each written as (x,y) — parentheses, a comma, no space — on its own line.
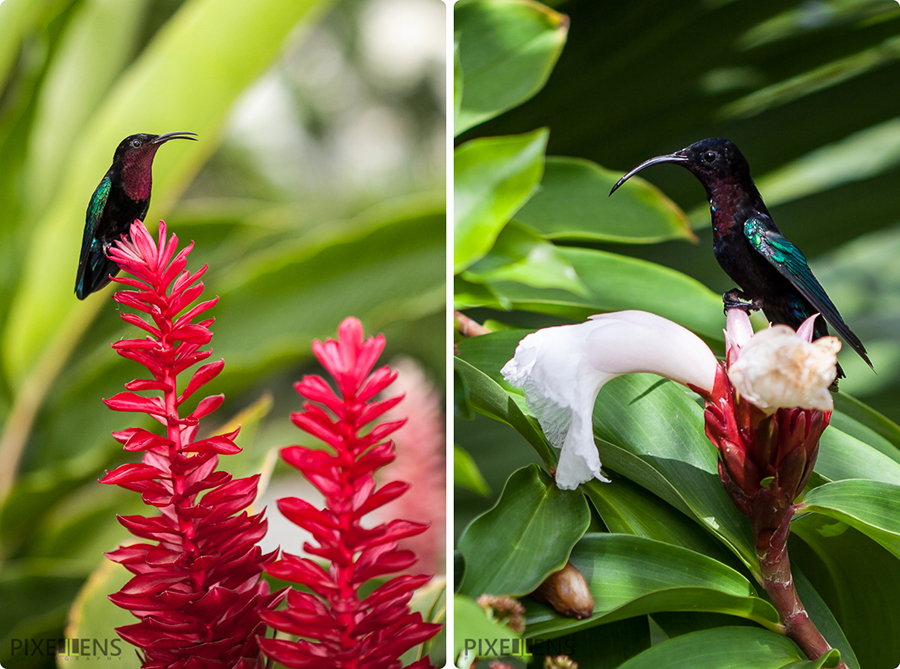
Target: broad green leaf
(193,69)
(617,282)
(627,508)
(493,178)
(729,648)
(523,256)
(631,576)
(473,627)
(872,507)
(524,538)
(93,616)
(466,473)
(574,204)
(599,647)
(842,456)
(851,408)
(507,49)
(859,580)
(822,615)
(457,82)
(467,294)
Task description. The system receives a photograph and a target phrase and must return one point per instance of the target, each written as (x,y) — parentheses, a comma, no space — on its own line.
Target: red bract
(339,629)
(197,588)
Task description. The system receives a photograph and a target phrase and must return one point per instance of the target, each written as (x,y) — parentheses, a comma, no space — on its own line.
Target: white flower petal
(562,369)
(777,368)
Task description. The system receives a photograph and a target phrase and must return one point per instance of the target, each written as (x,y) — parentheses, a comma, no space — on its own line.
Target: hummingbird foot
(737,299)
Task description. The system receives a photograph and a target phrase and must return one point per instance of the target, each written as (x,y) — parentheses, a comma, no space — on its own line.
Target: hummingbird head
(134,156)
(710,160)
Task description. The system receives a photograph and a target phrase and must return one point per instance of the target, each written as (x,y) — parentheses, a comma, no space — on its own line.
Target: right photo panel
(677,334)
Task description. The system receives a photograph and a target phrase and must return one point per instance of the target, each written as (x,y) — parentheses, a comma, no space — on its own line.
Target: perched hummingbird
(122,196)
(771,272)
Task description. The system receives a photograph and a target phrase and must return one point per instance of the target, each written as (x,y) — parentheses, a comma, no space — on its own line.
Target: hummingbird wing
(93,257)
(791,264)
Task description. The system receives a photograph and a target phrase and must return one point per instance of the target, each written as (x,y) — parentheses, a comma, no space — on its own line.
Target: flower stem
(770,537)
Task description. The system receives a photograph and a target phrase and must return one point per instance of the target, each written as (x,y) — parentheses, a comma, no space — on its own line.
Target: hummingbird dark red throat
(122,196)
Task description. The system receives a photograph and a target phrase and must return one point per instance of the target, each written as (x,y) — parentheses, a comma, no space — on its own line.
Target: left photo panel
(223,333)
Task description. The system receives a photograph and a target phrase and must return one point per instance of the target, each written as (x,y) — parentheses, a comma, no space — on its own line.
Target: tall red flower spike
(197,589)
(338,628)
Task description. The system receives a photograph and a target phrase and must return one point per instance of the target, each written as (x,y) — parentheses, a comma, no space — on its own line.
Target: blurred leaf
(37,594)
(842,456)
(859,579)
(76,82)
(574,203)
(523,256)
(861,156)
(457,82)
(466,473)
(507,49)
(729,648)
(631,576)
(94,617)
(471,625)
(525,537)
(600,647)
(617,282)
(872,507)
(493,178)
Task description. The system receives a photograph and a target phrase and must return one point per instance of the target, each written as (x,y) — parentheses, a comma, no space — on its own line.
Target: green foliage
(297,236)
(667,555)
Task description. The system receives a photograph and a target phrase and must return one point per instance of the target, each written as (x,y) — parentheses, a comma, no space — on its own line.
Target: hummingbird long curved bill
(772,273)
(122,196)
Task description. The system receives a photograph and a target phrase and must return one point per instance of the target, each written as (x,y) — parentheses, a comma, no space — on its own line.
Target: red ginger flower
(339,629)
(197,588)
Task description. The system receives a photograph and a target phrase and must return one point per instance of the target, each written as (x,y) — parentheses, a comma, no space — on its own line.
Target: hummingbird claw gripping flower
(196,587)
(340,628)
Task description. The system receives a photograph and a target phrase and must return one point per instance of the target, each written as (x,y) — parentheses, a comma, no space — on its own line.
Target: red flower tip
(340,628)
(196,591)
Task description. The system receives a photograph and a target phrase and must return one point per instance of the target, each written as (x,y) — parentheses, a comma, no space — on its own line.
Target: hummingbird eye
(136,143)
(710,156)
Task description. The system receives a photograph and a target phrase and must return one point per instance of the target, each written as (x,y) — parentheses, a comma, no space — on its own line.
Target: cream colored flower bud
(777,368)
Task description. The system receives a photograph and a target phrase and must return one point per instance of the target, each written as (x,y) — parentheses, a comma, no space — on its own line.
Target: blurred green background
(316,191)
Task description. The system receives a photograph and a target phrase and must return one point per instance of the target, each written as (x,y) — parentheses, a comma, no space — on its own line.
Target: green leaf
(472,625)
(631,576)
(872,507)
(457,82)
(859,580)
(493,178)
(729,648)
(851,408)
(523,256)
(466,473)
(93,616)
(617,282)
(525,537)
(599,647)
(842,456)
(574,203)
(507,49)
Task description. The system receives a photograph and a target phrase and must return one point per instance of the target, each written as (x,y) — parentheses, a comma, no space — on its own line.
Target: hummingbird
(122,196)
(771,273)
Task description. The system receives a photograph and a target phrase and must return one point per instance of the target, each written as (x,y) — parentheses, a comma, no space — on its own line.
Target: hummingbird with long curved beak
(772,273)
(122,196)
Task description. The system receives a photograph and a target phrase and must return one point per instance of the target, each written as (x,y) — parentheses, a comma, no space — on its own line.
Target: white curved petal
(738,331)
(778,368)
(562,369)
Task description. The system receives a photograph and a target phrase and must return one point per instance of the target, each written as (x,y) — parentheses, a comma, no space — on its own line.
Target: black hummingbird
(122,196)
(771,272)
